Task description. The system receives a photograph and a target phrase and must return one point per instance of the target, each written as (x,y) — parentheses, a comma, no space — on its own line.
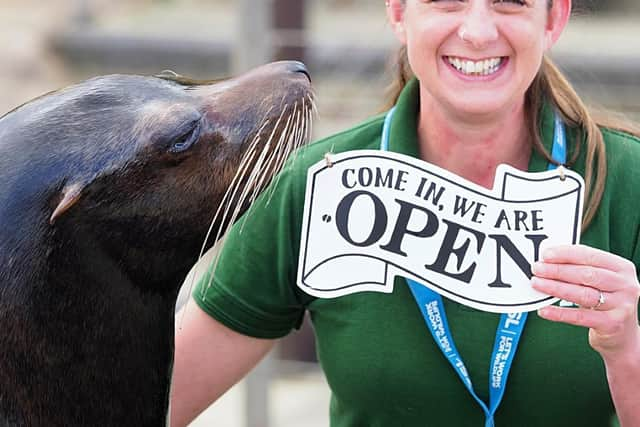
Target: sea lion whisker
(309,124)
(247,156)
(271,166)
(284,135)
(231,192)
(244,161)
(301,137)
(289,140)
(312,100)
(268,143)
(279,157)
(244,196)
(249,186)
(212,269)
(287,148)
(262,171)
(283,103)
(305,128)
(303,117)
(265,119)
(227,220)
(279,151)
(225,204)
(306,135)
(297,135)
(253,182)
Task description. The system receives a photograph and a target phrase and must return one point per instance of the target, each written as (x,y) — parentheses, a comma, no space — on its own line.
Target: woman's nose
(478,27)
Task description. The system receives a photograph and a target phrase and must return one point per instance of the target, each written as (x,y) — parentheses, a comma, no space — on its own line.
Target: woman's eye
(446,4)
(517,2)
(443,1)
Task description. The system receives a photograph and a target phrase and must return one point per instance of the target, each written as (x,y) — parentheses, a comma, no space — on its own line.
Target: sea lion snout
(299,67)
(295,67)
(281,67)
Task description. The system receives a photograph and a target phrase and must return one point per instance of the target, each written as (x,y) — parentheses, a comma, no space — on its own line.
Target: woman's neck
(474,147)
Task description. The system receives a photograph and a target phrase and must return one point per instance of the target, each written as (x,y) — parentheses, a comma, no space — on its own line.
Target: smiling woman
(474,91)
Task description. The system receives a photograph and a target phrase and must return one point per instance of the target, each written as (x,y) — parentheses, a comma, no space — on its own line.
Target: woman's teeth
(475,68)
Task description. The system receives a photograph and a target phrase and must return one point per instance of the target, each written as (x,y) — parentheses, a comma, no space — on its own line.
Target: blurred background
(347,46)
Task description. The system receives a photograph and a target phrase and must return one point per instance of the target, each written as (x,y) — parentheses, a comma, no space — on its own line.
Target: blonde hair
(551,85)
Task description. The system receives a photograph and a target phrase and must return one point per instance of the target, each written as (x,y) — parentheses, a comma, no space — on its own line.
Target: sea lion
(107,189)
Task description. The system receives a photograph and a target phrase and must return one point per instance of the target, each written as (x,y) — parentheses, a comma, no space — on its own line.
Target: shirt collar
(403,133)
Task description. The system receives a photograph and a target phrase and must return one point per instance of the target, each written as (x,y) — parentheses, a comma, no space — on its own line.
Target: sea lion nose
(298,67)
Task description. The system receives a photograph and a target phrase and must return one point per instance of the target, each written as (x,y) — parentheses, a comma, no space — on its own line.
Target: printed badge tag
(372,215)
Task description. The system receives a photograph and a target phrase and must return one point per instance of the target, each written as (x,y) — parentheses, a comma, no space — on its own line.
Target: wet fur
(101,221)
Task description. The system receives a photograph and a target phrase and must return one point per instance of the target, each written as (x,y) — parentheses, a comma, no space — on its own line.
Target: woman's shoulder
(623,164)
(362,136)
(616,226)
(623,154)
(621,144)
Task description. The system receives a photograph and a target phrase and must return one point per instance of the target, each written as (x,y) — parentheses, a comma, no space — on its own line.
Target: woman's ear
(395,15)
(557,21)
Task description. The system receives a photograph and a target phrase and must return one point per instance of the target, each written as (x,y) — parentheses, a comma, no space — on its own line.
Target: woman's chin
(481,107)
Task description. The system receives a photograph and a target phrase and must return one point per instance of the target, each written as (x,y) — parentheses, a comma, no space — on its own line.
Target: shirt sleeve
(251,288)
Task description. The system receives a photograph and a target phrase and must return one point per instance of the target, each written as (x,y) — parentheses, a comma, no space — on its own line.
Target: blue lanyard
(510,327)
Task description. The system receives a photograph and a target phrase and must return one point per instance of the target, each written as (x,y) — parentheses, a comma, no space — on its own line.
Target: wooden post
(254,47)
(289,38)
(253,41)
(82,13)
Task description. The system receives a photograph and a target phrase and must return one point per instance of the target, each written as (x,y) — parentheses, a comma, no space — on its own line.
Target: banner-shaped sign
(372,215)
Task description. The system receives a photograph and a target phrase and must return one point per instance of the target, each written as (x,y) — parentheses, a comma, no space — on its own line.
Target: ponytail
(401,73)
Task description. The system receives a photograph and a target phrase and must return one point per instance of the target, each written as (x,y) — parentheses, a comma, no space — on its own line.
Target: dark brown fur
(107,190)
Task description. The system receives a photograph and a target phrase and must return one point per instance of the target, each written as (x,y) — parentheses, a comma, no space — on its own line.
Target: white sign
(372,215)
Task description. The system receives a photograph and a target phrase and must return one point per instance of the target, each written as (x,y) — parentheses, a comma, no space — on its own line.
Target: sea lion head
(145,162)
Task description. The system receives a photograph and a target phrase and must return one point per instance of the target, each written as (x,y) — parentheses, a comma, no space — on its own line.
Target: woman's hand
(603,285)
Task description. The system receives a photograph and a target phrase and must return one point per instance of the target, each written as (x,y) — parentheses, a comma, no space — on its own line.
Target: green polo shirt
(380,360)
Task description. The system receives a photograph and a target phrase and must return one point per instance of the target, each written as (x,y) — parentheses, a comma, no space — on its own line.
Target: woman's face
(477,56)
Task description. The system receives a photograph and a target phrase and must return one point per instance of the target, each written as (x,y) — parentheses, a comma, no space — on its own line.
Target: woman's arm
(606,288)
(623,374)
(209,359)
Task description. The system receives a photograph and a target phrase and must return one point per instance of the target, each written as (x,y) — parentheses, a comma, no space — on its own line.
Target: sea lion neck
(155,265)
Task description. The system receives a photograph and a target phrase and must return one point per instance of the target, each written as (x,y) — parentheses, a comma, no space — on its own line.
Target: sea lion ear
(70,195)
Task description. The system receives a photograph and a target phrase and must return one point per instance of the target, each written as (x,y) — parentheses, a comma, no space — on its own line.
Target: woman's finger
(596,320)
(594,277)
(583,296)
(586,255)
